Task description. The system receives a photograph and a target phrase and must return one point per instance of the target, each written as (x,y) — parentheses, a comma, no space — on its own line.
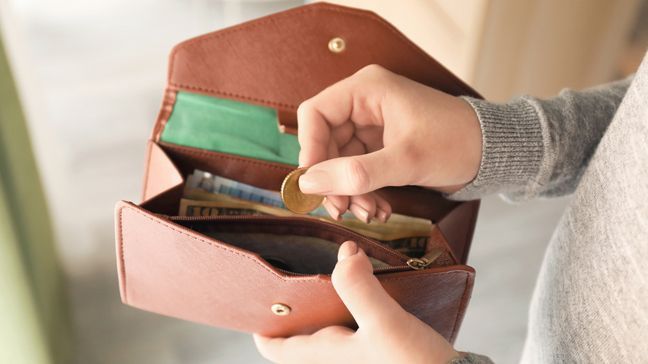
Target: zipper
(408,263)
(426,260)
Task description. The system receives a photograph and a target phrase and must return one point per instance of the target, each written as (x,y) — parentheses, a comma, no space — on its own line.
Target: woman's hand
(386,333)
(377,129)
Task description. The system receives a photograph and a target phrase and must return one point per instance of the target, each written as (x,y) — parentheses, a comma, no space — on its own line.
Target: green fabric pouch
(228,126)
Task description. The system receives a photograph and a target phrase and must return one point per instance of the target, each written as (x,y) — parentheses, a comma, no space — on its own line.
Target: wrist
(451,189)
(438,355)
(473,137)
(512,147)
(467,156)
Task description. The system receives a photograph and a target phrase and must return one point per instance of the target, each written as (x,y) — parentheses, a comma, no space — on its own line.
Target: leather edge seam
(147,170)
(219,155)
(122,268)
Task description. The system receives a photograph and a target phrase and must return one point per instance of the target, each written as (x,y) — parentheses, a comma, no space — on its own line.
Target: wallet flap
(285,58)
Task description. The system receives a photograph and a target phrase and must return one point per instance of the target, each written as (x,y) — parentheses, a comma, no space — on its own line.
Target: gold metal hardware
(280,309)
(418,263)
(425,261)
(336,45)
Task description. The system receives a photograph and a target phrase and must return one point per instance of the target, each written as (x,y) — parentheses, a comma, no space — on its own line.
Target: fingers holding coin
(370,206)
(295,200)
(336,206)
(365,207)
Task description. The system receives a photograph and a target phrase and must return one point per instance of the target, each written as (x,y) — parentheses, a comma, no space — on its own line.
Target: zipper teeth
(403,258)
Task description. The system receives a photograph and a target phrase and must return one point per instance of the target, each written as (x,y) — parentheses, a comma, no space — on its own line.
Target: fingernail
(381,215)
(347,249)
(332,210)
(360,212)
(315,182)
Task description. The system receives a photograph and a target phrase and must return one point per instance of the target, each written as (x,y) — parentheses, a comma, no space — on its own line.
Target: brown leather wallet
(171,265)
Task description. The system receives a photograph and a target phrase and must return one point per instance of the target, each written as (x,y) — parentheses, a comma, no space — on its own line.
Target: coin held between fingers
(294,199)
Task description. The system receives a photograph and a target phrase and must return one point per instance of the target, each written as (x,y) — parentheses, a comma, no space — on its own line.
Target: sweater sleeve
(540,148)
(470,358)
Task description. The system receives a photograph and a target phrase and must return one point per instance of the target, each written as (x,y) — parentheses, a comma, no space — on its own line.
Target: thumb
(350,176)
(360,290)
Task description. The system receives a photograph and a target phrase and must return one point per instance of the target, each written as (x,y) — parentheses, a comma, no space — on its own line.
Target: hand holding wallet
(229,109)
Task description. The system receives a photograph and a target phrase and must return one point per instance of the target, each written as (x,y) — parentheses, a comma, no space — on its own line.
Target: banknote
(211,183)
(228,206)
(206,186)
(199,203)
(207,194)
(215,184)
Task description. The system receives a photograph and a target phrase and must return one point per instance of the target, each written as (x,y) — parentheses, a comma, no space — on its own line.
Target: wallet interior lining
(293,253)
(282,226)
(229,126)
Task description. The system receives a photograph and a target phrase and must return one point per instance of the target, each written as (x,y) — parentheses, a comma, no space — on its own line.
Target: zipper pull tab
(425,261)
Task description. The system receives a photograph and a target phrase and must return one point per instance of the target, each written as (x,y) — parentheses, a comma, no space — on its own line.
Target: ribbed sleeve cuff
(512,148)
(470,358)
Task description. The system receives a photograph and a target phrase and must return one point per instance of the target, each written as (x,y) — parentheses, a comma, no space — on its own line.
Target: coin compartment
(299,246)
(291,253)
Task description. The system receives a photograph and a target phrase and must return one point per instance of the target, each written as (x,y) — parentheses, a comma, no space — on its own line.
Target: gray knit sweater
(591,299)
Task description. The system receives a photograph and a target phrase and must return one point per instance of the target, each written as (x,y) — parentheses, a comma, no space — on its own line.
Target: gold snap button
(336,45)
(280,309)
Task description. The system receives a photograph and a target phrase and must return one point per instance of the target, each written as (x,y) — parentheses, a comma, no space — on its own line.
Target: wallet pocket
(269,175)
(168,268)
(291,244)
(256,172)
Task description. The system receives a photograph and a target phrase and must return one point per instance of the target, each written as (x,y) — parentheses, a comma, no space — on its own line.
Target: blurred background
(81,82)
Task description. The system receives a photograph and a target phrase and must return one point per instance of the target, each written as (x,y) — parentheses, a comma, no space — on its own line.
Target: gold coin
(294,199)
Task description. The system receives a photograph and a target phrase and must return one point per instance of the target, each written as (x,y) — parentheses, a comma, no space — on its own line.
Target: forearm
(533,147)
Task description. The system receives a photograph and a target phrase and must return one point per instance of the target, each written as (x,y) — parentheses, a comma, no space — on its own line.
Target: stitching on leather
(122,270)
(235,95)
(170,96)
(293,279)
(148,169)
(209,154)
(250,24)
(257,23)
